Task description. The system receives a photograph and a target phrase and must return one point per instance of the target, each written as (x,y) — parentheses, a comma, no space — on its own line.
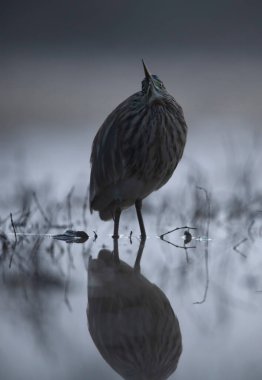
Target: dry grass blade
(206,247)
(15,243)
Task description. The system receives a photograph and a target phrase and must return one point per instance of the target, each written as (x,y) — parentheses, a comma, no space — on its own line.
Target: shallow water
(213,288)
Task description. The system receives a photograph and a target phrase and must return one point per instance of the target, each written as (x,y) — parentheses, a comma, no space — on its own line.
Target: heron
(136,151)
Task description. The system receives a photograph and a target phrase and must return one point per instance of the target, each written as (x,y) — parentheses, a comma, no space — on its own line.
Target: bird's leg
(116,223)
(138,205)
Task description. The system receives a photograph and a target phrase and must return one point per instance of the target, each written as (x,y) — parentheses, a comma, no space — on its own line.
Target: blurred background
(69,63)
(64,65)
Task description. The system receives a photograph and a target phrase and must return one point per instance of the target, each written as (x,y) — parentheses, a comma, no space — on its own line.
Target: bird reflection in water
(130,319)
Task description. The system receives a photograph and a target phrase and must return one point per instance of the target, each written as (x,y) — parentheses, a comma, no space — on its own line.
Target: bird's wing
(107,159)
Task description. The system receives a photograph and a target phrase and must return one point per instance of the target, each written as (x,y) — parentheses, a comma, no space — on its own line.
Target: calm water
(206,300)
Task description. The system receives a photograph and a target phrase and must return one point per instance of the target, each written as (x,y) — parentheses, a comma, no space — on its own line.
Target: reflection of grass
(31,258)
(233,217)
(232,213)
(34,269)
(208,206)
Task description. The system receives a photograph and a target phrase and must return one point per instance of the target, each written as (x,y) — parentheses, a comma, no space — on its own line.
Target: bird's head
(153,88)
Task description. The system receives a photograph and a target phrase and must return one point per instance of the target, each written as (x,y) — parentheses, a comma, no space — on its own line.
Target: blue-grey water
(51,111)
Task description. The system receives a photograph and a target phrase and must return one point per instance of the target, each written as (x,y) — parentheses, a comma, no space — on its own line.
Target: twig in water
(249,230)
(95,236)
(5,245)
(185,247)
(176,229)
(2,221)
(67,284)
(41,209)
(235,248)
(206,246)
(68,199)
(13,226)
(85,204)
(36,246)
(22,220)
(47,220)
(130,237)
(250,236)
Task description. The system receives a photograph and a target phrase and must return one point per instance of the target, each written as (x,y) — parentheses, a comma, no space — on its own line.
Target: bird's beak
(147,73)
